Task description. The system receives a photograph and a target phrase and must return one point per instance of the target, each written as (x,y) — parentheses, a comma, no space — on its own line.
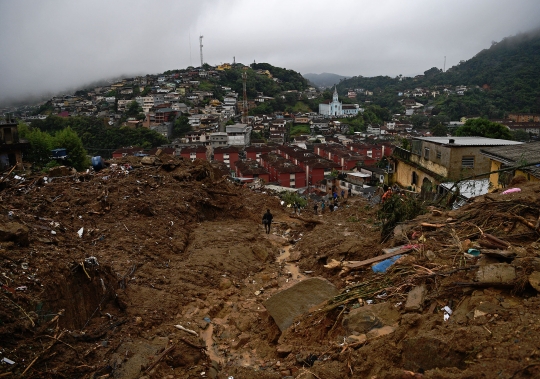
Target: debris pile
(161,269)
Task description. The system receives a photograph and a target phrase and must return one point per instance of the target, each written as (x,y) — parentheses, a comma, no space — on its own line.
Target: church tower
(335,97)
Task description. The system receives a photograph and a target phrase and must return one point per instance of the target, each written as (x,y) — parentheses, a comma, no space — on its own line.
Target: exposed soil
(176,244)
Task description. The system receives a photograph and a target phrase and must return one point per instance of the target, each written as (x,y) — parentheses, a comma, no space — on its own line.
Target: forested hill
(325,79)
(507,74)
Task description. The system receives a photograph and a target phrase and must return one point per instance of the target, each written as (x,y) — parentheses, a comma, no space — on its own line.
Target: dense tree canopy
(483,128)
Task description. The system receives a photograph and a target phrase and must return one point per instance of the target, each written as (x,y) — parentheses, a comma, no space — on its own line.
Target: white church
(335,108)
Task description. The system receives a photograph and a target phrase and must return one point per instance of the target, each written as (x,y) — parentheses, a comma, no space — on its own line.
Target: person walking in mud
(267,221)
(315,207)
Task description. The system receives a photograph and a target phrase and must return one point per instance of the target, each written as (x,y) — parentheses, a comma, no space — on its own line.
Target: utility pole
(201,45)
(244,102)
(444,67)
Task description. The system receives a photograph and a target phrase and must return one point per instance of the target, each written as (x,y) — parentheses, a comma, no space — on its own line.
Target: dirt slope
(175,244)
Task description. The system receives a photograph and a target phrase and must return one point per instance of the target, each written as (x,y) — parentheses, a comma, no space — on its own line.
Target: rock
(284,350)
(430,255)
(294,256)
(60,171)
(370,316)
(415,299)
(379,332)
(212,373)
(496,273)
(260,252)
(148,160)
(426,353)
(356,339)
(534,280)
(15,232)
(225,283)
(292,302)
(241,341)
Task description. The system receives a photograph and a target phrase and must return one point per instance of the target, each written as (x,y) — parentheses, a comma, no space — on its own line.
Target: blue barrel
(97,163)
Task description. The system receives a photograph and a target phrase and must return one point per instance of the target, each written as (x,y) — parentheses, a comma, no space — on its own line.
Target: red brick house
(315,166)
(193,152)
(227,154)
(254,152)
(283,171)
(126,151)
(251,169)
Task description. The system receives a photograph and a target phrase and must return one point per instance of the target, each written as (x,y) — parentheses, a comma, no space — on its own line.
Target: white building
(335,108)
(238,134)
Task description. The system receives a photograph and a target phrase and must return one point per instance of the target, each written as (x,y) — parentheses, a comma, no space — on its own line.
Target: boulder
(371,316)
(534,280)
(292,302)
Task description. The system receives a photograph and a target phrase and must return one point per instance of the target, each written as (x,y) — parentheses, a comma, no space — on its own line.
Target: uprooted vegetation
(172,274)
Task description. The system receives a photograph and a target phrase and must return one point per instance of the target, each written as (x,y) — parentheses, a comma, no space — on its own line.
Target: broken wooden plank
(434,226)
(388,254)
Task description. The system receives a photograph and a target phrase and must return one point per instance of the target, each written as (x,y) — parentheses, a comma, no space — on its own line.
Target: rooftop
(468,141)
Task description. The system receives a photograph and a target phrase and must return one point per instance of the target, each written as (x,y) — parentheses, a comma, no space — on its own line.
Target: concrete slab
(285,305)
(415,299)
(496,273)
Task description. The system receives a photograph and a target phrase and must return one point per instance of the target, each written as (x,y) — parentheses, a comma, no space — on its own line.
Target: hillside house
(193,152)
(512,156)
(250,169)
(11,147)
(228,155)
(432,160)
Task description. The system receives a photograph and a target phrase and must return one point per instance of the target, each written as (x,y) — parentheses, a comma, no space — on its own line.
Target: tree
(41,144)
(181,127)
(480,127)
(520,135)
(134,109)
(439,130)
(68,139)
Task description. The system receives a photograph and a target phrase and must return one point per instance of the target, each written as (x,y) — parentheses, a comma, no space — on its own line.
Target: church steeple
(335,96)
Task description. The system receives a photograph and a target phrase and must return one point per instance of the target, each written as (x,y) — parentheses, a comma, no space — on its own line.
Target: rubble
(174,243)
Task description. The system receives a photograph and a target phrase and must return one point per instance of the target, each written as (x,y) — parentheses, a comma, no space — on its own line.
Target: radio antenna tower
(244,102)
(200,43)
(444,67)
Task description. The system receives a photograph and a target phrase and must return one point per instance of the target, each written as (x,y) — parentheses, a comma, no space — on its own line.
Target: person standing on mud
(267,221)
(315,207)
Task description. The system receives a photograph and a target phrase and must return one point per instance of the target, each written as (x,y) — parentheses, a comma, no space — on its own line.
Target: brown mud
(175,244)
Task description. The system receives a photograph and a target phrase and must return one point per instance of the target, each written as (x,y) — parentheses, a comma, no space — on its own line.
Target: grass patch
(299,129)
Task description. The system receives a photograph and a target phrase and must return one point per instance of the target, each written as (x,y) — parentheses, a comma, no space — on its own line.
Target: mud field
(164,271)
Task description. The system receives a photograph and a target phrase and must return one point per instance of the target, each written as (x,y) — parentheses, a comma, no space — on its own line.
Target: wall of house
(437,165)
(449,165)
(494,176)
(481,162)
(404,174)
(317,174)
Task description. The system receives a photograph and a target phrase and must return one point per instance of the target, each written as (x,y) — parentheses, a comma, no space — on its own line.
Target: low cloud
(58,45)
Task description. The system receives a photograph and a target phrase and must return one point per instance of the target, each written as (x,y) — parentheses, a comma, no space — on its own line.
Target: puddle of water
(290,267)
(207,336)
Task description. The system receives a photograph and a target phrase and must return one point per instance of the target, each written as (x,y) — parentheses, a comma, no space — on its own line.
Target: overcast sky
(54,45)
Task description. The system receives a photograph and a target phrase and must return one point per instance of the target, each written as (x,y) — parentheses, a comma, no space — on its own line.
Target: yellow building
(432,160)
(223,67)
(513,156)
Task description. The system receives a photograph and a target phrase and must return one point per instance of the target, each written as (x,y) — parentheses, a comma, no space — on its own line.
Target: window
(426,153)
(467,162)
(438,155)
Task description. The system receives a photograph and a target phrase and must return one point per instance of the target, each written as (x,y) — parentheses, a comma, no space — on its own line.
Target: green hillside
(504,78)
